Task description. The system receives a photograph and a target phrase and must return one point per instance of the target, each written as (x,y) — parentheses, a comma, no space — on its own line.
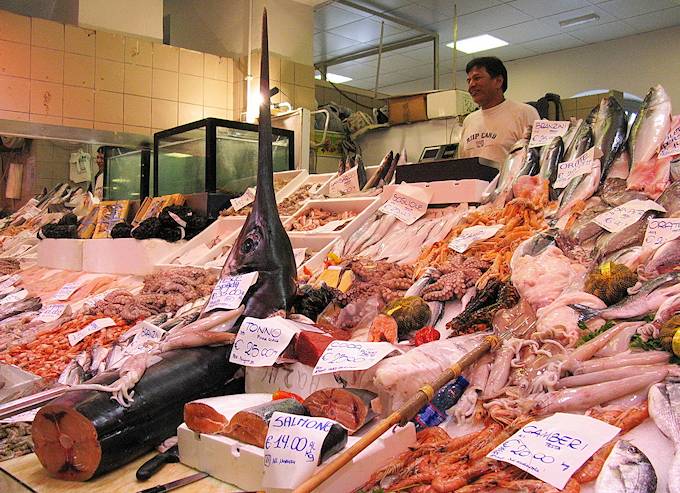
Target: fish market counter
(25,474)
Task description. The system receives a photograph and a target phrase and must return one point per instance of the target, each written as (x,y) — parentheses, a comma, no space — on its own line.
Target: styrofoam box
(442,104)
(448,191)
(242,464)
(297,176)
(65,254)
(364,207)
(125,255)
(222,227)
(322,178)
(320,244)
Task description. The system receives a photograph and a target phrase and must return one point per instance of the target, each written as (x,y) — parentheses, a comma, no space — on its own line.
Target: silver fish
(665,258)
(613,192)
(651,125)
(608,121)
(626,470)
(513,167)
(580,142)
(551,155)
(647,299)
(670,200)
(631,235)
(73,374)
(663,402)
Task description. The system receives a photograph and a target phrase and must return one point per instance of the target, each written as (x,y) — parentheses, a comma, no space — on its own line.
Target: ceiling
(531,27)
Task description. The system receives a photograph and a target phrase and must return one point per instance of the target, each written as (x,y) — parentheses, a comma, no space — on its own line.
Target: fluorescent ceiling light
(334,78)
(476,44)
(584,19)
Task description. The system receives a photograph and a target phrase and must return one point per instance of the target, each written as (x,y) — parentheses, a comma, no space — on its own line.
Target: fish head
(657,95)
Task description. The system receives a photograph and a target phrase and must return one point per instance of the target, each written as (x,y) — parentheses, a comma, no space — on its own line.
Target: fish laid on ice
(626,470)
(648,173)
(648,299)
(664,408)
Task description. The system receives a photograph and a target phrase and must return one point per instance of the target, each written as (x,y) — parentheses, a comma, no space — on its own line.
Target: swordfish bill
(263,244)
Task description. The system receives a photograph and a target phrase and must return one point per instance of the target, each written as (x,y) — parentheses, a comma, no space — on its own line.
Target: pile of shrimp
(441,464)
(521,219)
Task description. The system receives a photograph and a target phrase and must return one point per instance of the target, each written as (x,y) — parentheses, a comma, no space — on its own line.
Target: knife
(153,465)
(162,488)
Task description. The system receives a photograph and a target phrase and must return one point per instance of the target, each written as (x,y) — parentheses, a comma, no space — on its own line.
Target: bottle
(434,413)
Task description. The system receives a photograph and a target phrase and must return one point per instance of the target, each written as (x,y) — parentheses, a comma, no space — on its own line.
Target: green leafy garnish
(582,325)
(636,342)
(593,334)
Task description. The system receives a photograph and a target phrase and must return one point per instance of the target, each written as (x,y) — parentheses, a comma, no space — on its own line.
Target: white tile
(327,42)
(623,9)
(507,53)
(526,31)
(553,43)
(365,30)
(543,8)
(656,20)
(554,20)
(604,32)
(331,16)
(444,8)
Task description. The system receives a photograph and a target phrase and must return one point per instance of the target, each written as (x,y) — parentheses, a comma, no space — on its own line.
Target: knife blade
(153,465)
(161,488)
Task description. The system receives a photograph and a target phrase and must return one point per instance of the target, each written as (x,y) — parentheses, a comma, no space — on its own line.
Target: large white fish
(648,173)
(626,470)
(664,408)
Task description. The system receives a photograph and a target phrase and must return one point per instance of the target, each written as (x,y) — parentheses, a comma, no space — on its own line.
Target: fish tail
(585,313)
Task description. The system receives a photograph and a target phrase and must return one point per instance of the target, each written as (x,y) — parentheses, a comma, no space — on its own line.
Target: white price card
(351,355)
(347,182)
(248,197)
(230,291)
(576,167)
(292,449)
(408,203)
(299,254)
(474,233)
(660,231)
(50,313)
(16,296)
(146,337)
(10,281)
(619,218)
(25,417)
(671,146)
(330,226)
(66,291)
(259,342)
(543,131)
(93,300)
(89,329)
(554,448)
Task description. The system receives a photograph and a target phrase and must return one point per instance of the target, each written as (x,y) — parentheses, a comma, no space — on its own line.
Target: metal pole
(435,74)
(377,70)
(396,45)
(455,42)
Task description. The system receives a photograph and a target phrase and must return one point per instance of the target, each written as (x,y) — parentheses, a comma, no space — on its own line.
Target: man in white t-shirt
(492,130)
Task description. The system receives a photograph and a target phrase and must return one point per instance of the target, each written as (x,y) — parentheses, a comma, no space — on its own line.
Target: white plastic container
(448,191)
(242,464)
(64,254)
(296,176)
(364,207)
(222,228)
(125,255)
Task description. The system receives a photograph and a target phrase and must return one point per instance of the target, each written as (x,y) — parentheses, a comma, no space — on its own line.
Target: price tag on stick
(230,291)
(259,342)
(576,167)
(671,146)
(66,291)
(292,449)
(554,448)
(348,355)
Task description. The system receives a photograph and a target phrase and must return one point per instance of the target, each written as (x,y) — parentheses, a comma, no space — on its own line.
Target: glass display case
(127,174)
(214,155)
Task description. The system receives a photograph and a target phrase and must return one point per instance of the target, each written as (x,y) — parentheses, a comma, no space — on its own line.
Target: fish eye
(247,246)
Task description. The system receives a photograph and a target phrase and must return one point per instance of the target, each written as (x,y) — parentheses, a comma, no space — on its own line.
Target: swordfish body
(263,244)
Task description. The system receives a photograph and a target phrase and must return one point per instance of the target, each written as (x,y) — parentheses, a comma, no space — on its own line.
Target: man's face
(100,160)
(482,87)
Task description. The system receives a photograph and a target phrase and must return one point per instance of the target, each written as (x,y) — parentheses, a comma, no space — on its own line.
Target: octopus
(456,276)
(387,280)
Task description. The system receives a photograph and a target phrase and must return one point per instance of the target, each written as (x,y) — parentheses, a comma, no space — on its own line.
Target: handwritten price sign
(247,198)
(577,167)
(474,233)
(292,448)
(543,131)
(89,329)
(66,291)
(671,146)
(230,291)
(624,215)
(660,231)
(347,182)
(345,355)
(259,342)
(408,203)
(50,313)
(554,448)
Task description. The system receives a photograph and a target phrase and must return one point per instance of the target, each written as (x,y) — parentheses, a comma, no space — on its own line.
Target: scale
(437,153)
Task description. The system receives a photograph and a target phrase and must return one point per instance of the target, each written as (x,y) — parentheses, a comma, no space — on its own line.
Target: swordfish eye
(250,243)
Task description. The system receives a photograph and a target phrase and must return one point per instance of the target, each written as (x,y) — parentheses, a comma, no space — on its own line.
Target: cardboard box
(407,109)
(444,104)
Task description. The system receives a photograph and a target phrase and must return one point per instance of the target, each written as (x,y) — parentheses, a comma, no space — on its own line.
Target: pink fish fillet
(650,177)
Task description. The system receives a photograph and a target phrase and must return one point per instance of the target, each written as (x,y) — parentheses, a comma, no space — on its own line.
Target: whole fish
(664,259)
(73,374)
(614,192)
(568,137)
(263,245)
(652,124)
(608,243)
(380,172)
(520,161)
(580,189)
(386,178)
(609,125)
(648,299)
(550,157)
(663,402)
(626,470)
(583,140)
(580,142)
(361,171)
(670,200)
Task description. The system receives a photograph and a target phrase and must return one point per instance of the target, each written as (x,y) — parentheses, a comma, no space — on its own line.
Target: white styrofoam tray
(222,228)
(322,179)
(448,191)
(320,245)
(63,253)
(364,207)
(125,255)
(242,464)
